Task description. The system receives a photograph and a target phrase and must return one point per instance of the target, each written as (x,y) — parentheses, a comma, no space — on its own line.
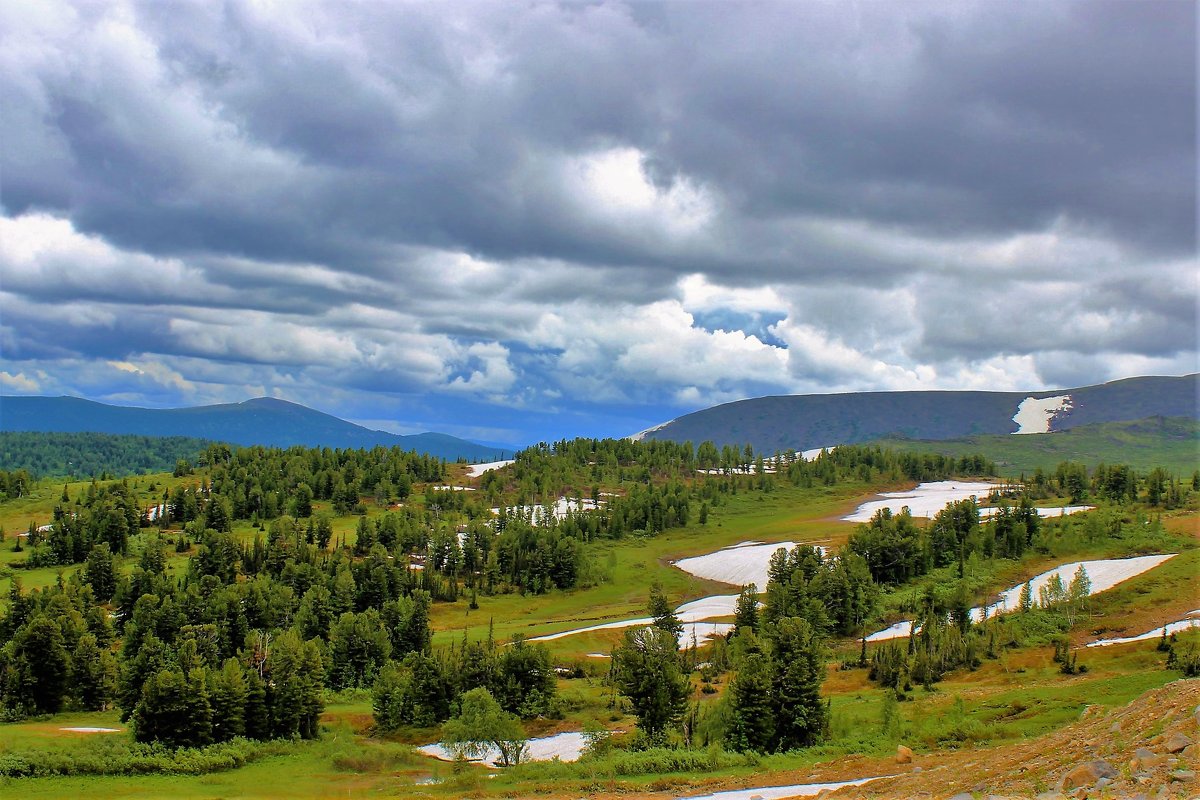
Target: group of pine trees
(896,550)
(423,688)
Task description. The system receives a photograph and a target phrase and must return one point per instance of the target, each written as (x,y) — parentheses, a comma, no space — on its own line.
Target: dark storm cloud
(445,195)
(393,126)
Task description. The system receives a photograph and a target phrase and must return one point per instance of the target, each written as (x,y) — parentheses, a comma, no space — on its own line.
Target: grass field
(1171,443)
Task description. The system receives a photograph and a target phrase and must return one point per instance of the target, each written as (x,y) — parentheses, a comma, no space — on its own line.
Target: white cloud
(612,185)
(156,372)
(490,372)
(698,293)
(19,382)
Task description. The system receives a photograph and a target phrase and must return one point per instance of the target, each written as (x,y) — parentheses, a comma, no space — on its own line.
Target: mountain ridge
(266,421)
(802,422)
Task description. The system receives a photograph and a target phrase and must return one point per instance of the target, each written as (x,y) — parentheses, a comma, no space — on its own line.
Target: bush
(118,756)
(659,760)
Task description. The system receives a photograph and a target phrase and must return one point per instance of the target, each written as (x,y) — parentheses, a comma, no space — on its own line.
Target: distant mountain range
(263,420)
(802,422)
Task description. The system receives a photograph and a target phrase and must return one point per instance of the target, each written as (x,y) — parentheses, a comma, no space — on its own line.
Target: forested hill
(807,421)
(261,421)
(45,455)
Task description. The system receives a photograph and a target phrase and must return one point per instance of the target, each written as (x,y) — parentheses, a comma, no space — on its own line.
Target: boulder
(1176,742)
(904,755)
(1144,758)
(1183,775)
(1087,773)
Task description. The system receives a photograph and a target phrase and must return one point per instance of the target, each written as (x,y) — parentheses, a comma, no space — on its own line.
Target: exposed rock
(1176,742)
(962,796)
(1191,753)
(1087,773)
(1144,758)
(904,755)
(1182,775)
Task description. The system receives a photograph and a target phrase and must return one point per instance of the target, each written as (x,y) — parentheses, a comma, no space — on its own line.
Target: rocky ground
(1147,749)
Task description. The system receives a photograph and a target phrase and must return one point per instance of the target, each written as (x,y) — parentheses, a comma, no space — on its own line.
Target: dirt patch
(1032,767)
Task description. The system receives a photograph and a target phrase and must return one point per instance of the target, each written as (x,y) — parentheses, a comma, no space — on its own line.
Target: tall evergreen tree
(799,670)
(647,671)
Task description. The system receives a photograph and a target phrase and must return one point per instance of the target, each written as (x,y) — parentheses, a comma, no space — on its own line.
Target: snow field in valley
(475,470)
(929,498)
(1103,573)
(693,615)
(1191,621)
(783,792)
(563,746)
(739,565)
(1057,511)
(562,508)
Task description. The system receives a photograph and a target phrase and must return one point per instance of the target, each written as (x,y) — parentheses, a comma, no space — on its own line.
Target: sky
(517,221)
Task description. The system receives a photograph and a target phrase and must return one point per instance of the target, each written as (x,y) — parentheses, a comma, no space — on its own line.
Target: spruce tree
(752,723)
(799,670)
(646,670)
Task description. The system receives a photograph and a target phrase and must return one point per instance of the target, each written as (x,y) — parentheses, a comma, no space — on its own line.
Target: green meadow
(1015,696)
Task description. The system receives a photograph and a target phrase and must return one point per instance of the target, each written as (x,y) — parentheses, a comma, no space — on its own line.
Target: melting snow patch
(538,514)
(91,730)
(1034,414)
(738,565)
(563,746)
(691,614)
(1192,621)
(475,470)
(810,455)
(700,632)
(1103,573)
(782,792)
(640,435)
(451,488)
(899,630)
(929,498)
(924,501)
(1057,511)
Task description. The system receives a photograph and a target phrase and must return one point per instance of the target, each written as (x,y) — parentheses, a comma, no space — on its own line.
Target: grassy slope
(1169,442)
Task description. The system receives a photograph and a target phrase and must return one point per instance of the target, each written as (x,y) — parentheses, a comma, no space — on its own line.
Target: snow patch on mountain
(1035,413)
(637,437)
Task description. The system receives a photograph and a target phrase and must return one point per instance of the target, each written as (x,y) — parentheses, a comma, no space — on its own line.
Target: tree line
(99,455)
